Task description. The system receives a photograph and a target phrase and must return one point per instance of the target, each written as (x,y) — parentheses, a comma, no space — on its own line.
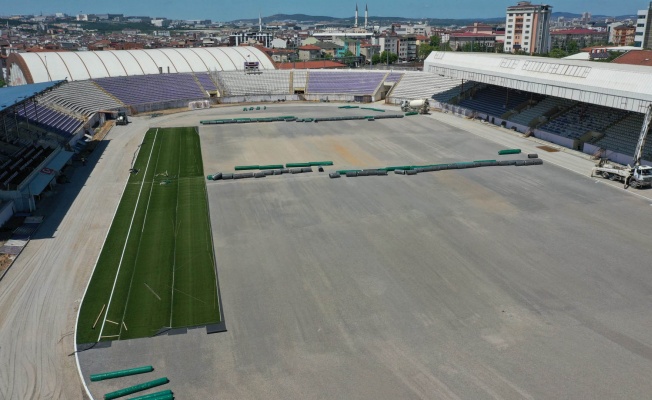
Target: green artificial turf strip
(167,276)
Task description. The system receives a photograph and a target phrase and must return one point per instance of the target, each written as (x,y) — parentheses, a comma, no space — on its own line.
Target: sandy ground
(487,283)
(40,295)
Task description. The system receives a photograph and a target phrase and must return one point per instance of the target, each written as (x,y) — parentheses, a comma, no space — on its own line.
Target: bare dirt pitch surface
(499,282)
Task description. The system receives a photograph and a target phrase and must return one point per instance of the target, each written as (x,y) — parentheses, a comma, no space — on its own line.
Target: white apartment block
(643,37)
(527,28)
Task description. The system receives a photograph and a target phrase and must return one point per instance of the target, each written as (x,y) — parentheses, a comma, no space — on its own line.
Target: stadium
(262,233)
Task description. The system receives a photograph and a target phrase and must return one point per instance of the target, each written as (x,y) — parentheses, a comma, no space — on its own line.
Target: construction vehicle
(421,106)
(121,119)
(635,175)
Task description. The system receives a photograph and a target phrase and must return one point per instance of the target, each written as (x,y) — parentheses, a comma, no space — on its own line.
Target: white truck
(421,106)
(637,176)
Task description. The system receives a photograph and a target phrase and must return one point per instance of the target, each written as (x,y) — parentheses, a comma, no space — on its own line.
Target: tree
(572,47)
(348,53)
(435,41)
(386,58)
(328,56)
(425,50)
(2,83)
(557,53)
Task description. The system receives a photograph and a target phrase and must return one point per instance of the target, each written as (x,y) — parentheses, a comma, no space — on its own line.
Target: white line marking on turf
(127,239)
(140,240)
(176,231)
(151,290)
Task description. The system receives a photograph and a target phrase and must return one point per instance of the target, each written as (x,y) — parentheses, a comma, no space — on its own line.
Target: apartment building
(527,28)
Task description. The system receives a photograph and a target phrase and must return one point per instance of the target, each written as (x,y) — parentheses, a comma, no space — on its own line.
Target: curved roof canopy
(71,65)
(626,87)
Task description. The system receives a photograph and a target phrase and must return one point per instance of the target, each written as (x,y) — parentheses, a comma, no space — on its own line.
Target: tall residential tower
(527,28)
(643,38)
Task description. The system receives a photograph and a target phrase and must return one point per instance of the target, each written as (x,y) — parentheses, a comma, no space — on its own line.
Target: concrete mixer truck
(421,106)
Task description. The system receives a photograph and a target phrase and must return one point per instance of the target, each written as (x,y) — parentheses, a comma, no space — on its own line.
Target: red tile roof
(310,47)
(577,32)
(636,57)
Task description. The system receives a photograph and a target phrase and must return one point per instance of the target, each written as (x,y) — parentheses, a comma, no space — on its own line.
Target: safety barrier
(121,373)
(136,388)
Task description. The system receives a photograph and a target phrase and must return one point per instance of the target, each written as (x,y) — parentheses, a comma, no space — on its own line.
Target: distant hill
(304,18)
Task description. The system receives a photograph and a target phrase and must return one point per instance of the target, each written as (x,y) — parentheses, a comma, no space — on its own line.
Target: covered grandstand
(27,68)
(33,142)
(588,106)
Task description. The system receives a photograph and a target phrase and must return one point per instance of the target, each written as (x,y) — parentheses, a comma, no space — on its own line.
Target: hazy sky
(219,10)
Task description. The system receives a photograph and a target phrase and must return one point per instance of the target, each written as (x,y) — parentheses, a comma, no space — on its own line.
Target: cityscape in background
(302,41)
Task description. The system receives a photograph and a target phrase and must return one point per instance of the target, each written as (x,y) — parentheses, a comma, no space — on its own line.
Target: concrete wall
(6,211)
(262,98)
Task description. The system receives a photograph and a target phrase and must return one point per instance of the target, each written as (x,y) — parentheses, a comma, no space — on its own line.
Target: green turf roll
(121,373)
(297,165)
(136,388)
(344,171)
(272,166)
(209,177)
(509,151)
(484,161)
(320,163)
(402,167)
(153,396)
(411,113)
(246,167)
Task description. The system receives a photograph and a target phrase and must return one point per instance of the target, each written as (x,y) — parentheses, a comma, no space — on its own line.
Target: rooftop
(640,57)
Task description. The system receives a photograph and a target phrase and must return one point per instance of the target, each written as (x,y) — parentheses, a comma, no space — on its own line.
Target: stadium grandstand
(34,143)
(592,107)
(586,106)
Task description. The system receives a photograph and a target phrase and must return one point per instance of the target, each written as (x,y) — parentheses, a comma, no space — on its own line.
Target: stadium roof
(12,95)
(82,65)
(626,87)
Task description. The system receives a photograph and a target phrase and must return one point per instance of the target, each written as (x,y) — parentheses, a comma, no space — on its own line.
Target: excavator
(634,175)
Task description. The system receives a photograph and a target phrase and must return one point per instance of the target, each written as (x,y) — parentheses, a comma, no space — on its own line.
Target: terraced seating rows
(494,100)
(14,170)
(526,116)
(583,118)
(83,97)
(206,82)
(237,83)
(622,137)
(146,89)
(345,82)
(420,85)
(52,120)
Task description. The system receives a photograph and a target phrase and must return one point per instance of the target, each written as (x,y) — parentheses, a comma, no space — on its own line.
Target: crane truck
(635,175)
(421,106)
